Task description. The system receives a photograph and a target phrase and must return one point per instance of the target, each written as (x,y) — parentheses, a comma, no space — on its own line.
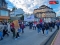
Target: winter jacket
(38,25)
(43,27)
(46,26)
(22,26)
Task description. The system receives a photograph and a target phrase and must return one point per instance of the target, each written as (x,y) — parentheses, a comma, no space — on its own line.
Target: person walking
(8,25)
(38,27)
(1,31)
(1,35)
(43,27)
(47,28)
(22,27)
(5,30)
(30,25)
(12,29)
(34,26)
(57,24)
(50,26)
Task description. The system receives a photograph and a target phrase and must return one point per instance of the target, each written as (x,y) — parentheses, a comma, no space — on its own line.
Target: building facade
(4,12)
(3,4)
(45,12)
(58,18)
(16,14)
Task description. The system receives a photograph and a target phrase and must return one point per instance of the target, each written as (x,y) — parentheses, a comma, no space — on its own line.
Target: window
(0,4)
(4,13)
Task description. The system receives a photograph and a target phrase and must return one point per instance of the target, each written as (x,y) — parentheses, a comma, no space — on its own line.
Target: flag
(41,20)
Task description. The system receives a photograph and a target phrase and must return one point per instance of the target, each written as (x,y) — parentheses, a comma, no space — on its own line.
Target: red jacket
(12,25)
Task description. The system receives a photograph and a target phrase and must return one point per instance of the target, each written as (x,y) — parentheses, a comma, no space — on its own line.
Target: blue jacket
(57,23)
(1,34)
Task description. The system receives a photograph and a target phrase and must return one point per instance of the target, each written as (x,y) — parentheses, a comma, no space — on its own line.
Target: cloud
(28,5)
(58,11)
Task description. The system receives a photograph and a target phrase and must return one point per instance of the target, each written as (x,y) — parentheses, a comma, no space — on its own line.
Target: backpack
(22,26)
(19,30)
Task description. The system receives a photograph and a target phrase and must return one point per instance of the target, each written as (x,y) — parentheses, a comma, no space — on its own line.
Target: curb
(47,40)
(54,38)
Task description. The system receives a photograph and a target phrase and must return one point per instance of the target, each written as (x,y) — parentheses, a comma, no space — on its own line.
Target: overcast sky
(29,5)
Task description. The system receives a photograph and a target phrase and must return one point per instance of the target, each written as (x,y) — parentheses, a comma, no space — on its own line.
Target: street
(30,37)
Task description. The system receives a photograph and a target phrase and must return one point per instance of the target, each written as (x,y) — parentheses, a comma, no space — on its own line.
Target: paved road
(30,37)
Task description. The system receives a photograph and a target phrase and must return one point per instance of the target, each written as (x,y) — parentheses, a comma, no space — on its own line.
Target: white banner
(28,18)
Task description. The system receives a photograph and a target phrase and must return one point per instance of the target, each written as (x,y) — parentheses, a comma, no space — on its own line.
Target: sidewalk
(30,37)
(56,39)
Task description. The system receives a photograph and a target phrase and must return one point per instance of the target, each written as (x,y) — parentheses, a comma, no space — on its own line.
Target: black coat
(51,24)
(38,25)
(43,26)
(47,26)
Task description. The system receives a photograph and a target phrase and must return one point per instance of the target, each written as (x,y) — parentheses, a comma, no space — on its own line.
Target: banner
(29,18)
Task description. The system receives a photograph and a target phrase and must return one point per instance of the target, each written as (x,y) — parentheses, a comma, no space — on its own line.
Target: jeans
(1,35)
(39,30)
(17,35)
(22,30)
(34,27)
(46,32)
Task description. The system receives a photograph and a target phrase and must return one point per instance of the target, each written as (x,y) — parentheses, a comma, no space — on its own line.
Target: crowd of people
(43,26)
(6,28)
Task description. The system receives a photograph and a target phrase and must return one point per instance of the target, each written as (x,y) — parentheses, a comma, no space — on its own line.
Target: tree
(14,8)
(22,17)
